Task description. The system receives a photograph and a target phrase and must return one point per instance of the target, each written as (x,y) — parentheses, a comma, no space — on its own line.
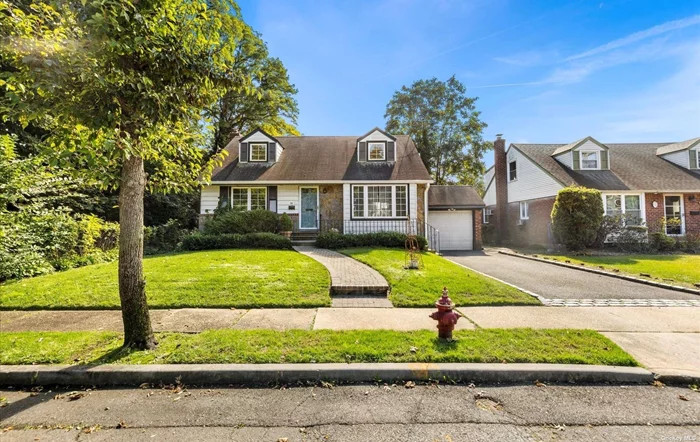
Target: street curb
(603,272)
(678,377)
(266,374)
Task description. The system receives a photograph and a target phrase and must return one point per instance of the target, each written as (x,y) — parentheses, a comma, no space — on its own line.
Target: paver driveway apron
(559,283)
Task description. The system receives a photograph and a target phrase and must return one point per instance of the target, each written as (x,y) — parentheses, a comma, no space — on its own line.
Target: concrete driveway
(556,282)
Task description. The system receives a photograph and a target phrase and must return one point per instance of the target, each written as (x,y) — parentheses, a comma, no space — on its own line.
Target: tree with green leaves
(445,126)
(124,82)
(271,106)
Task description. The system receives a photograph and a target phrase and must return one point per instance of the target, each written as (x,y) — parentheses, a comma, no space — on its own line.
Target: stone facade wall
(536,229)
(331,202)
(420,198)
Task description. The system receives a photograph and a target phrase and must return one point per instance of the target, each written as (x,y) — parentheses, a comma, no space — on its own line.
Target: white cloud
(639,36)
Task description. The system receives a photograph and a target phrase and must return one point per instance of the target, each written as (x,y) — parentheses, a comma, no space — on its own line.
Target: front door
(309,208)
(673,211)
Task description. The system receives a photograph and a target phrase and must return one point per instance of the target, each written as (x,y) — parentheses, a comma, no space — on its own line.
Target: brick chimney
(501,174)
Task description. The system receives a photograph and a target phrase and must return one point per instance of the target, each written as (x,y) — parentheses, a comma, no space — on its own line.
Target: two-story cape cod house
(375,182)
(651,184)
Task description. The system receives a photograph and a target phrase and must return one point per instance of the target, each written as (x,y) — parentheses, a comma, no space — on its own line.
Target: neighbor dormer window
(376,151)
(258,152)
(589,160)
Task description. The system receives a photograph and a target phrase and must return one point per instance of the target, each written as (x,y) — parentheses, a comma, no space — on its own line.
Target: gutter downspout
(425,209)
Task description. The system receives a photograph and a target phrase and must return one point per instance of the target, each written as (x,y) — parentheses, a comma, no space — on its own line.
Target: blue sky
(544,71)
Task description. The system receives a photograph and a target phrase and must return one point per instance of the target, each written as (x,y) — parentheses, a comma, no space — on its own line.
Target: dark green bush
(285,223)
(577,216)
(165,238)
(230,221)
(201,241)
(334,240)
(33,244)
(661,242)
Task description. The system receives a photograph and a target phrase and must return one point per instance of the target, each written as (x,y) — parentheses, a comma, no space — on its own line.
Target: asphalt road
(555,282)
(358,413)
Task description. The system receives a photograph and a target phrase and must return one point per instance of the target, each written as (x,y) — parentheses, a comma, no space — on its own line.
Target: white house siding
(376,136)
(209,199)
(287,195)
(490,195)
(369,225)
(532,182)
(565,159)
(681,158)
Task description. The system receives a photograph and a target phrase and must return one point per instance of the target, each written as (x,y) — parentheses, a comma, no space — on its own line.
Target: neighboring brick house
(375,182)
(652,184)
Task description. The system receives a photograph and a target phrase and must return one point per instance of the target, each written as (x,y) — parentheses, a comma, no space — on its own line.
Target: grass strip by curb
(317,346)
(420,288)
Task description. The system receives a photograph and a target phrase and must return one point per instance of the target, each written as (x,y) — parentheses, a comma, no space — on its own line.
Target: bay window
(248,198)
(386,201)
(627,207)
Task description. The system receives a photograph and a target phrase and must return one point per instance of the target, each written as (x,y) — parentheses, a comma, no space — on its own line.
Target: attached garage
(455,211)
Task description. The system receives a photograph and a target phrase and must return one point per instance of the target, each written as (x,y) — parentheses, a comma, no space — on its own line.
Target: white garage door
(456,229)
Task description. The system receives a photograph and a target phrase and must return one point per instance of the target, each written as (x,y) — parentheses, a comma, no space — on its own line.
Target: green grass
(298,346)
(681,269)
(421,288)
(216,278)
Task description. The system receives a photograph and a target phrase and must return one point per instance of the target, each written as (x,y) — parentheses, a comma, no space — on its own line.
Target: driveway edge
(266,374)
(603,272)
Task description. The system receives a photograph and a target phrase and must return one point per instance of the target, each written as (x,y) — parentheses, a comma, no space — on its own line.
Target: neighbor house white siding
(287,195)
(488,175)
(490,195)
(681,158)
(566,159)
(209,199)
(532,182)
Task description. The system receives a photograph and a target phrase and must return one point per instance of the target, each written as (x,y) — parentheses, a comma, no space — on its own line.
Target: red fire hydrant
(445,317)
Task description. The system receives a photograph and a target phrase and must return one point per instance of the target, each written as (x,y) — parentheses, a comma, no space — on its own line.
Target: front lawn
(215,278)
(677,269)
(421,288)
(304,346)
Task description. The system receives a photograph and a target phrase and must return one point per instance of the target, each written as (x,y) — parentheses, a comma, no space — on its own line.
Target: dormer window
(258,152)
(589,159)
(376,151)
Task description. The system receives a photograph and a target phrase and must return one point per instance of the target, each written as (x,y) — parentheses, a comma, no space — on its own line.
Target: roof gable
(454,197)
(576,144)
(260,131)
(675,147)
(376,129)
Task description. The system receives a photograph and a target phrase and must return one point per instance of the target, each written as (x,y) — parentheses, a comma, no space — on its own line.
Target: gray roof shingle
(323,159)
(633,166)
(454,197)
(675,147)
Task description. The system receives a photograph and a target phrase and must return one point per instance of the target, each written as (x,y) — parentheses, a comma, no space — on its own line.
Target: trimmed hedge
(200,241)
(254,221)
(334,240)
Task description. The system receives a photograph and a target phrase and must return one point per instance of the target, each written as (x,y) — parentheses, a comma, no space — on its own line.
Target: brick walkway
(348,276)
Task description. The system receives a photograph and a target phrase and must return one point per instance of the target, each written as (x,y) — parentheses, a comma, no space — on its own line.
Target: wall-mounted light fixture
(655,204)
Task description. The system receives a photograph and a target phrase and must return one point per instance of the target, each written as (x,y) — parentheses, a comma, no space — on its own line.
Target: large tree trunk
(132,287)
